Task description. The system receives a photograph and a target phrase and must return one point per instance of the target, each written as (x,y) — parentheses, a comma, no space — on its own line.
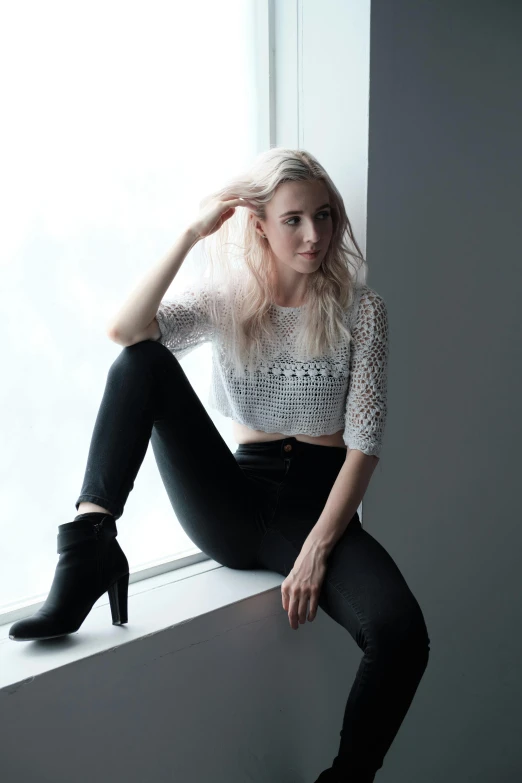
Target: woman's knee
(147,348)
(405,633)
(143,353)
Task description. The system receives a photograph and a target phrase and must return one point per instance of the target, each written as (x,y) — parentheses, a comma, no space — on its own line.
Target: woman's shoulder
(368,306)
(363,293)
(367,290)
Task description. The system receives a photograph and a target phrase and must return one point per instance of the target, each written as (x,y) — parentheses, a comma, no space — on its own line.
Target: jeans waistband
(290,446)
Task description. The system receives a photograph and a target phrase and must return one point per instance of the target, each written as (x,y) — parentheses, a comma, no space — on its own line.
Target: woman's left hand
(303,584)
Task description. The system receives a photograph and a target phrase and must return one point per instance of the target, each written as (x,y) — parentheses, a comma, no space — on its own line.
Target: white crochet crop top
(347,391)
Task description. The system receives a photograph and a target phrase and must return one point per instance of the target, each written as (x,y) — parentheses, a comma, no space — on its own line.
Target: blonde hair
(244,272)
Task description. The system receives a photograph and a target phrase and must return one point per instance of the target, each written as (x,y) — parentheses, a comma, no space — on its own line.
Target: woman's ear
(257,226)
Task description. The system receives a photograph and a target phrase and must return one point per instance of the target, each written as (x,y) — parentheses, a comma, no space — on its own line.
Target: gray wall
(444,243)
(235,696)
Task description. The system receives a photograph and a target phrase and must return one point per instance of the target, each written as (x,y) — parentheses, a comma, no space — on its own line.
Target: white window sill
(155,604)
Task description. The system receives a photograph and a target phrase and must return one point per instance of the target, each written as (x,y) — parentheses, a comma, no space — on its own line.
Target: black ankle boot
(91,563)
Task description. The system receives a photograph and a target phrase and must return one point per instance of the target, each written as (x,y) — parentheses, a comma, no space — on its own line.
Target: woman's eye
(288,222)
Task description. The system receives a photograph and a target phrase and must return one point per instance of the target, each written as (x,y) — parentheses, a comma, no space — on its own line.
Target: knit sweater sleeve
(366,405)
(184,321)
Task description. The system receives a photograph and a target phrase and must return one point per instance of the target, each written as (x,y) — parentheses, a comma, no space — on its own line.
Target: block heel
(91,563)
(118,593)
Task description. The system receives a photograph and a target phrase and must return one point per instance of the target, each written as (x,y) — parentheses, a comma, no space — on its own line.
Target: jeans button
(288,447)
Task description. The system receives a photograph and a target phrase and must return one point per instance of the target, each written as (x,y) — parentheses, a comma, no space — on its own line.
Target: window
(118,119)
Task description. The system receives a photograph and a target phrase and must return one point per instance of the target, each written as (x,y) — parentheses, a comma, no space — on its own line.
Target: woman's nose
(312,234)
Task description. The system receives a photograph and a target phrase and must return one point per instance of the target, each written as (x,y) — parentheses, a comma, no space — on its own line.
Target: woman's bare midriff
(243,434)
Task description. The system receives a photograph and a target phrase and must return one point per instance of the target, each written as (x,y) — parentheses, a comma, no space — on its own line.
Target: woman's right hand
(214,213)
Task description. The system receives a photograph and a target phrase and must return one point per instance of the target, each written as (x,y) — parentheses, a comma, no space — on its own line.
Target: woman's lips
(310,255)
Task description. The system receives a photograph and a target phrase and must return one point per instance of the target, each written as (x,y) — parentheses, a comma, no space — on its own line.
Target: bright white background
(118,118)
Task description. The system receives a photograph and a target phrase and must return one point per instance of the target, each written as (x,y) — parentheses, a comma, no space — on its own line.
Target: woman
(300,351)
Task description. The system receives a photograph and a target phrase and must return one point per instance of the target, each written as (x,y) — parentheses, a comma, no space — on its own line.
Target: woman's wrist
(192,233)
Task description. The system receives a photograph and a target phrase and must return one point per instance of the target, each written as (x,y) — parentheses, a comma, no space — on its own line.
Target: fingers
(303,606)
(297,608)
(314,603)
(244,202)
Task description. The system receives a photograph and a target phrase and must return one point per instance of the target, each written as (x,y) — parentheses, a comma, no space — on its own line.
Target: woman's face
(289,235)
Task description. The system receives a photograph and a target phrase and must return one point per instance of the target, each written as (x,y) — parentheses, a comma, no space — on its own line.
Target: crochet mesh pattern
(347,390)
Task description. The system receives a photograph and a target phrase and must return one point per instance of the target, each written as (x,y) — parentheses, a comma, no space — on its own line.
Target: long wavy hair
(242,267)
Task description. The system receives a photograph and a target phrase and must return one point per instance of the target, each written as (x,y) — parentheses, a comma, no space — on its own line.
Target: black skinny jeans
(253,509)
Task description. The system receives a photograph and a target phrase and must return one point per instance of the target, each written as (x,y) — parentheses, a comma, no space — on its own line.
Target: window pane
(118,119)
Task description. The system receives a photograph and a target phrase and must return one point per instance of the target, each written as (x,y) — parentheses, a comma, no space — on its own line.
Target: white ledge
(154,605)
